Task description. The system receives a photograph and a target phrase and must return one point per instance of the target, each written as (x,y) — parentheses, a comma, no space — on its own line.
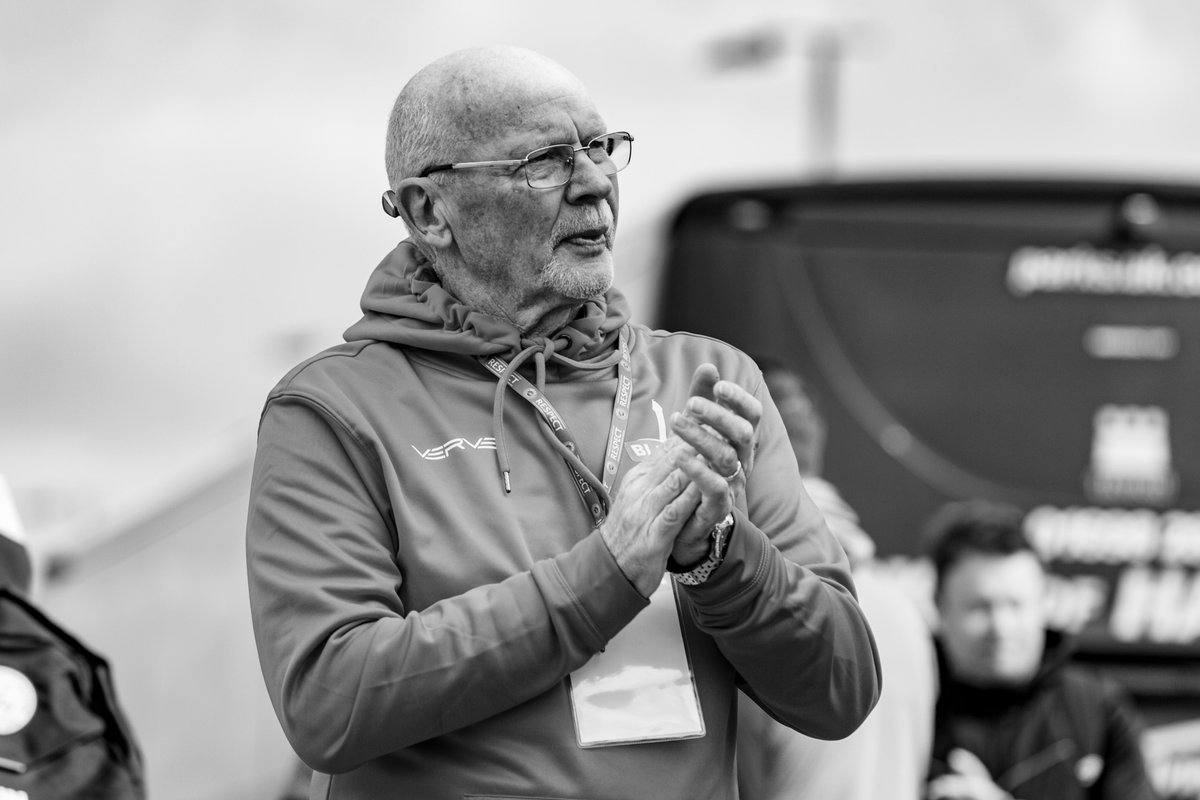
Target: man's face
(993,618)
(536,247)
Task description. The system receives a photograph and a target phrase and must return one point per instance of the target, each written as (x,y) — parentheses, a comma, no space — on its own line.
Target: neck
(534,318)
(535,314)
(548,323)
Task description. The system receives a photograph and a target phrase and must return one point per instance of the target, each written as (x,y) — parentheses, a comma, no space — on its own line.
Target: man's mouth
(591,237)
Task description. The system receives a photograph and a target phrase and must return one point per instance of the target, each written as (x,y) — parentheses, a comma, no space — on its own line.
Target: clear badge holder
(641,688)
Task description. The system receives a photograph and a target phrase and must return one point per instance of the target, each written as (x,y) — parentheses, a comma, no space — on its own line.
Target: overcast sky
(191,190)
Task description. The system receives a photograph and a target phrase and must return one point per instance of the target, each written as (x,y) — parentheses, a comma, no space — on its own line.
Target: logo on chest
(443,451)
(641,449)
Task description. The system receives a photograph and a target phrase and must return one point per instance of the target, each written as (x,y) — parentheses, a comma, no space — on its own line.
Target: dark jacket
(62,732)
(1069,734)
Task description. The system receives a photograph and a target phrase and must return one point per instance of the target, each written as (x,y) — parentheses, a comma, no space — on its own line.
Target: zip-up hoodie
(424,575)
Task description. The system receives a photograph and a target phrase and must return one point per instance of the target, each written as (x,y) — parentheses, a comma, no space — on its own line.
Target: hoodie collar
(404,303)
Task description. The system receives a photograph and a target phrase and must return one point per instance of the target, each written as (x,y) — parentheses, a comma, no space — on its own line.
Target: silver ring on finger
(735,474)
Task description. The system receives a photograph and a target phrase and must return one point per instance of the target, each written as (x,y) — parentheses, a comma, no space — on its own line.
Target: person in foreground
(461,519)
(887,757)
(1014,719)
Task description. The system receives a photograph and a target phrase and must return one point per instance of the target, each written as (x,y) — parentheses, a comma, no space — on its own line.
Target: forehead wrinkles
(485,108)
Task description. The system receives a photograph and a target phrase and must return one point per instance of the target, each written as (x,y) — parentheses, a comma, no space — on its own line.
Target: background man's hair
(973,527)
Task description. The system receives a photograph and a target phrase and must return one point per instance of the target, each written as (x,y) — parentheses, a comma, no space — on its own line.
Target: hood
(405,304)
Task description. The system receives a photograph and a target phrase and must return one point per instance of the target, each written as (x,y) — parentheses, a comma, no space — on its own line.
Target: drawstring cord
(498,414)
(540,351)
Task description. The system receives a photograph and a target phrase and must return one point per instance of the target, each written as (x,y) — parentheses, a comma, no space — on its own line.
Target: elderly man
(503,542)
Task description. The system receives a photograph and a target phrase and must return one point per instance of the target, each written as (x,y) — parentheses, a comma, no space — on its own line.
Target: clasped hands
(668,504)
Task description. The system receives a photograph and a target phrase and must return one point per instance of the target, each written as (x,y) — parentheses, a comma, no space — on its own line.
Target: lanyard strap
(597,505)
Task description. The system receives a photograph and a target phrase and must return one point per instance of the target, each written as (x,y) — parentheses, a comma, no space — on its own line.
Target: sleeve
(782,606)
(1124,776)
(351,672)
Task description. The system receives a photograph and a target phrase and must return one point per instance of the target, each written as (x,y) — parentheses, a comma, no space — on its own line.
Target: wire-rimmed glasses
(552,166)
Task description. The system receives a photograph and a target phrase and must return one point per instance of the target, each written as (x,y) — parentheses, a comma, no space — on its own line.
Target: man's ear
(421,206)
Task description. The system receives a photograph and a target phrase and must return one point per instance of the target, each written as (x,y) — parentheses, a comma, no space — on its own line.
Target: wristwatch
(718,542)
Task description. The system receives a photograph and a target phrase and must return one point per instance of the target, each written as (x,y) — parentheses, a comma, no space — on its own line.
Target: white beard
(575,283)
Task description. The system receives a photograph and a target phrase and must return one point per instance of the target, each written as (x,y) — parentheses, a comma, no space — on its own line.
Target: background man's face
(993,617)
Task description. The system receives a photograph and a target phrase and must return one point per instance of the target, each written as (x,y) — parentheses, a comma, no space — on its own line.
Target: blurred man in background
(457,517)
(62,732)
(1014,719)
(888,755)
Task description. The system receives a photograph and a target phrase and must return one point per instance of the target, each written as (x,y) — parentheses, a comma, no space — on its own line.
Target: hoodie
(424,575)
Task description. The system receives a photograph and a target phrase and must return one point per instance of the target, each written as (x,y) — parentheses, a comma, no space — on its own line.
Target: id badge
(641,687)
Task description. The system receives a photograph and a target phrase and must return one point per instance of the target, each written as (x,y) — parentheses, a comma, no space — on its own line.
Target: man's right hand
(655,500)
(968,780)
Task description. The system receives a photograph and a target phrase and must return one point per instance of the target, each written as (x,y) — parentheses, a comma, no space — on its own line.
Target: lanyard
(597,505)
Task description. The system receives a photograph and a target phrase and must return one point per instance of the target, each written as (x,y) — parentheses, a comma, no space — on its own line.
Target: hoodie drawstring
(540,351)
(498,413)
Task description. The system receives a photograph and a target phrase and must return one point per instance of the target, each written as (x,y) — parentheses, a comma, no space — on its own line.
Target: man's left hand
(718,425)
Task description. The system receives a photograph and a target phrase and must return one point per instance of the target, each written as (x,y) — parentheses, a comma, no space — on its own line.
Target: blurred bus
(1029,341)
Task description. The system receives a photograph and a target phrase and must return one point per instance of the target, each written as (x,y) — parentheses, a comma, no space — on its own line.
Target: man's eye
(551,155)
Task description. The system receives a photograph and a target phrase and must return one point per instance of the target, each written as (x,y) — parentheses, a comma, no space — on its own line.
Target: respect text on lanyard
(616,431)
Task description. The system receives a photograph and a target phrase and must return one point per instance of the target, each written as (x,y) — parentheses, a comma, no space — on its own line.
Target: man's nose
(588,180)
(1004,620)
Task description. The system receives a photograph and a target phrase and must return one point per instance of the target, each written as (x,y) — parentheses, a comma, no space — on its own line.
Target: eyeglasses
(552,166)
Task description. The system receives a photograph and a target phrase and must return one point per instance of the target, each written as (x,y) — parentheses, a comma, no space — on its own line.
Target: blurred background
(191,205)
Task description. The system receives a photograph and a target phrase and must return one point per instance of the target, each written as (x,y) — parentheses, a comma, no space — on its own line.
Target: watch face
(720,537)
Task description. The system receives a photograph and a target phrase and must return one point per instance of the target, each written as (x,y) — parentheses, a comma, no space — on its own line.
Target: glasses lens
(611,151)
(549,166)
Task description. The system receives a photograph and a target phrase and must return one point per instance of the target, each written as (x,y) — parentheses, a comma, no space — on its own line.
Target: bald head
(465,96)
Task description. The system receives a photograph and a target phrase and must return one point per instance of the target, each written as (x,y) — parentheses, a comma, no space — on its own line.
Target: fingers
(656,501)
(967,763)
(671,505)
(961,787)
(660,491)
(717,450)
(728,412)
(970,780)
(710,500)
(678,510)
(704,380)
(724,439)
(738,400)
(946,787)
(741,412)
(716,498)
